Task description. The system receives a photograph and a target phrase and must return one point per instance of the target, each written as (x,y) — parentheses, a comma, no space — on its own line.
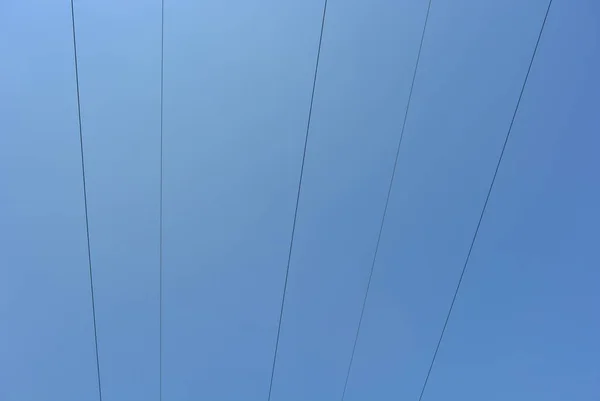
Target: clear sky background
(238,77)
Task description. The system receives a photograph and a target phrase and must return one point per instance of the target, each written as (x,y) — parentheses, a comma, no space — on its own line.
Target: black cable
(387,201)
(287,270)
(87,226)
(160,245)
(487,198)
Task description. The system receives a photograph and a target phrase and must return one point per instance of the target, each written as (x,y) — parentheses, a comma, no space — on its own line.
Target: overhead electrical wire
(85,204)
(160,240)
(487,198)
(387,201)
(287,270)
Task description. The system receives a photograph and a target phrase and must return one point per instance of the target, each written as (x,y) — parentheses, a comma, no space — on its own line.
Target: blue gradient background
(238,77)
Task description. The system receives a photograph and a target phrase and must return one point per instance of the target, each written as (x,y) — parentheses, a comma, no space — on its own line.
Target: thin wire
(387,201)
(287,270)
(487,198)
(160,257)
(87,226)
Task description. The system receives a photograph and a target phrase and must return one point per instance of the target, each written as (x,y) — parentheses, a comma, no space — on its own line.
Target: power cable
(85,204)
(487,198)
(160,289)
(387,201)
(287,270)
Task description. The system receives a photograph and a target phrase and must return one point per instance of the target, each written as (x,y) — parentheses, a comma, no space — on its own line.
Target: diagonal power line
(287,270)
(483,209)
(160,235)
(387,201)
(85,204)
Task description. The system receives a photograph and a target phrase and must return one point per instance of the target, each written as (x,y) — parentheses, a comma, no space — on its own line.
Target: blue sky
(238,76)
